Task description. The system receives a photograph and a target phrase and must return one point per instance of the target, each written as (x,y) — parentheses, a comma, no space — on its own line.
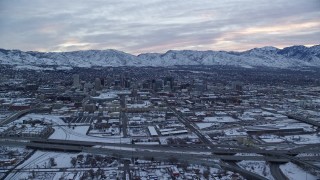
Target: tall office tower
(146,84)
(127,83)
(237,86)
(76,80)
(158,85)
(102,82)
(169,80)
(97,84)
(122,81)
(199,85)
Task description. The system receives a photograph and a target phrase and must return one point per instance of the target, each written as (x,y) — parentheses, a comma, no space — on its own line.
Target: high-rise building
(97,84)
(102,82)
(237,86)
(169,80)
(199,85)
(158,85)
(147,84)
(127,83)
(87,87)
(76,80)
(117,83)
(122,81)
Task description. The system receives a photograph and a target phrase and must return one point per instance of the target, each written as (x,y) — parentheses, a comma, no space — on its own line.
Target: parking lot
(84,119)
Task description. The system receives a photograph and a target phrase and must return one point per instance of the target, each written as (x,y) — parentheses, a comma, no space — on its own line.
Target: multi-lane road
(277,155)
(276,171)
(196,158)
(203,154)
(192,127)
(200,155)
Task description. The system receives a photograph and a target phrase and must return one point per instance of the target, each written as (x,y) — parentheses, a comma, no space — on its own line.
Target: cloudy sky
(138,26)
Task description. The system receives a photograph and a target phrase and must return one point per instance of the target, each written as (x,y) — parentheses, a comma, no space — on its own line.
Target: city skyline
(157,26)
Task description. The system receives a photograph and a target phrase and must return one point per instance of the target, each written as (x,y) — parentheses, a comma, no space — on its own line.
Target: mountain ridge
(268,56)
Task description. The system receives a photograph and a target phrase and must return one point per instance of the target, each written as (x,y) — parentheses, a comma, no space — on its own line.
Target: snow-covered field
(247,154)
(163,139)
(270,138)
(234,132)
(292,171)
(137,132)
(219,119)
(303,139)
(79,134)
(40,159)
(43,117)
(74,132)
(39,166)
(259,167)
(205,125)
(64,132)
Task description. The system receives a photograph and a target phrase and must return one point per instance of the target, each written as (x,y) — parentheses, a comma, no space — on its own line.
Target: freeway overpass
(20,114)
(158,155)
(164,153)
(295,117)
(213,153)
(14,116)
(216,149)
(305,120)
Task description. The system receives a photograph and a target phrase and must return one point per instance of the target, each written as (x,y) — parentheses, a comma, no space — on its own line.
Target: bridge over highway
(20,114)
(305,120)
(295,117)
(142,151)
(217,149)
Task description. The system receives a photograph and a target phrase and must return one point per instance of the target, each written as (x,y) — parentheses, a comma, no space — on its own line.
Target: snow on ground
(163,139)
(181,152)
(147,143)
(219,119)
(40,159)
(303,139)
(81,129)
(64,132)
(205,125)
(308,154)
(234,132)
(152,150)
(293,171)
(44,117)
(79,134)
(132,131)
(39,162)
(270,138)
(32,67)
(259,167)
(5,115)
(116,148)
(64,68)
(247,154)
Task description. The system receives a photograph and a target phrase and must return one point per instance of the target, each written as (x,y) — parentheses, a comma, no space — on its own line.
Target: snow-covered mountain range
(289,57)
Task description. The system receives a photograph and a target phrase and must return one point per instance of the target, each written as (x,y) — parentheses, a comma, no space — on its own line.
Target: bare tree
(173,160)
(74,161)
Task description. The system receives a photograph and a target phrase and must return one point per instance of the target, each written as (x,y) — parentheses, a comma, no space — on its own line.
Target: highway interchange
(208,153)
(215,156)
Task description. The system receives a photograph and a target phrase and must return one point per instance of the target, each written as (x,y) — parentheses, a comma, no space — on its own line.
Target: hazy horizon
(166,50)
(157,26)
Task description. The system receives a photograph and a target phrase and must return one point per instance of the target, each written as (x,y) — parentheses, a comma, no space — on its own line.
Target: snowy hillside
(289,57)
